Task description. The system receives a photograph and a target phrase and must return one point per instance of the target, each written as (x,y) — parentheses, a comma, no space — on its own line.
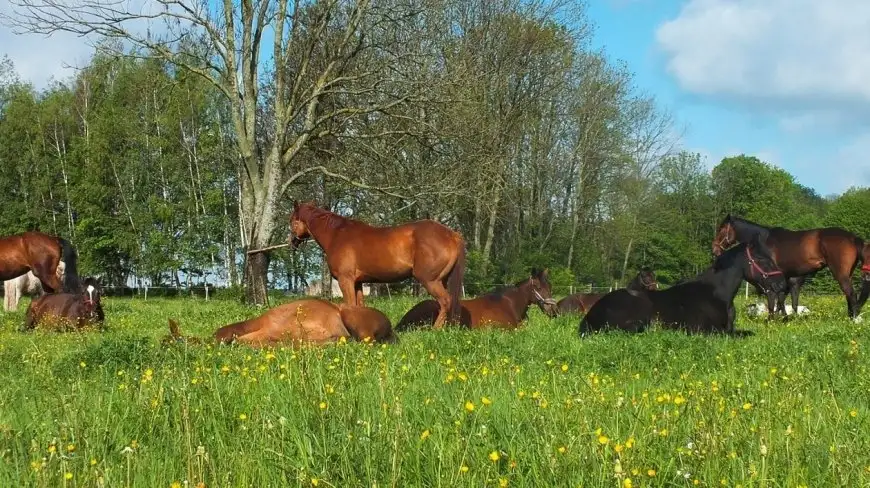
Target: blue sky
(742,76)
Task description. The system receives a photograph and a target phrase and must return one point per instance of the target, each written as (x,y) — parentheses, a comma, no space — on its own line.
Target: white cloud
(804,59)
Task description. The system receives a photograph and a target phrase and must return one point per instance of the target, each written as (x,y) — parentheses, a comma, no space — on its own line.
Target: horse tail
(454,285)
(69,256)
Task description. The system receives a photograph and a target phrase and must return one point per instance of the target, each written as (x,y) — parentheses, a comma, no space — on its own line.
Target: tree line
(172,153)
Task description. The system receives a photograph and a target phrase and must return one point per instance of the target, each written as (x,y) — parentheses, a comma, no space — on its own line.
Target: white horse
(25,285)
(759,309)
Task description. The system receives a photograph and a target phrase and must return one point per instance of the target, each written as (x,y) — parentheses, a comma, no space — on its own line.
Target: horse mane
(747,224)
(330,219)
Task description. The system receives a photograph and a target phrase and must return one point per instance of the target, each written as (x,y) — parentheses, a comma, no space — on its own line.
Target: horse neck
(636,284)
(322,225)
(521,297)
(726,282)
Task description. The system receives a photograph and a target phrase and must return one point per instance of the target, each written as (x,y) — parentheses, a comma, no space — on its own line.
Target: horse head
(539,281)
(646,277)
(298,228)
(92,292)
(760,267)
(725,236)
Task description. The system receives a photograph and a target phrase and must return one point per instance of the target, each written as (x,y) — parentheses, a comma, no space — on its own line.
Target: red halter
(756,267)
(866,268)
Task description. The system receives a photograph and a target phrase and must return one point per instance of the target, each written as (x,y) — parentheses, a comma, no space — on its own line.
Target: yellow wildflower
(486,401)
(626,483)
(68,476)
(651,473)
(603,440)
(425,435)
(469,406)
(494,456)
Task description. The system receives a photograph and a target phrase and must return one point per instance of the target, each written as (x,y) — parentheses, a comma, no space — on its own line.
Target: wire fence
(208,291)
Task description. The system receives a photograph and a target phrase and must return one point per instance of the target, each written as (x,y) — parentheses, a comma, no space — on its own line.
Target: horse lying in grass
(309,320)
(504,309)
(583,302)
(68,310)
(704,305)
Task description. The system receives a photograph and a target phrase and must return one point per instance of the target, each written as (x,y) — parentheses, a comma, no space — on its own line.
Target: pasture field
(537,407)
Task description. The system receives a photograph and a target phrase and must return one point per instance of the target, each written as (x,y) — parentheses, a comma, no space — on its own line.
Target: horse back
(57,306)
(307,320)
(803,251)
(491,311)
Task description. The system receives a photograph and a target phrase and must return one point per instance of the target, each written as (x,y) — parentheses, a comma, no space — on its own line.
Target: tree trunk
(490,228)
(256,282)
(625,260)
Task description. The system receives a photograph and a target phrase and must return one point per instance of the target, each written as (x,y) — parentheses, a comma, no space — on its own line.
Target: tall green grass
(536,407)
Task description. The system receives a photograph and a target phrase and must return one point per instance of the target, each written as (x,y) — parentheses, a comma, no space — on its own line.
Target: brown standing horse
(309,320)
(800,254)
(357,252)
(40,253)
(505,308)
(582,302)
(68,310)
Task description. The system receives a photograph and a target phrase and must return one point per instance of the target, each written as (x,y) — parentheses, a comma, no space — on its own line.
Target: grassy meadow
(536,407)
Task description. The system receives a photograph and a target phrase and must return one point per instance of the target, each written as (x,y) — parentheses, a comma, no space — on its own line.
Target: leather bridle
(754,266)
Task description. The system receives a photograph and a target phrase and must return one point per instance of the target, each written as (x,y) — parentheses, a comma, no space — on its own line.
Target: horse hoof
(859,319)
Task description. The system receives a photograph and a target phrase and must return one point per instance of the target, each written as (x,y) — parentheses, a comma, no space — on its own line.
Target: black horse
(583,302)
(704,305)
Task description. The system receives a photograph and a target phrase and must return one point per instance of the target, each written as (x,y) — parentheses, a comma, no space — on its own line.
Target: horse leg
(348,290)
(729,326)
(772,299)
(358,291)
(845,282)
(436,289)
(47,274)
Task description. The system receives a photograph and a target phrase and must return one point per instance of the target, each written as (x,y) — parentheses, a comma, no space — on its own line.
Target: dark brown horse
(309,320)
(704,305)
(505,308)
(582,302)
(40,253)
(68,310)
(357,252)
(800,254)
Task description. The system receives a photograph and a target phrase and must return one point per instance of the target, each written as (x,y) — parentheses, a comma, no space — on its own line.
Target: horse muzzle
(295,242)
